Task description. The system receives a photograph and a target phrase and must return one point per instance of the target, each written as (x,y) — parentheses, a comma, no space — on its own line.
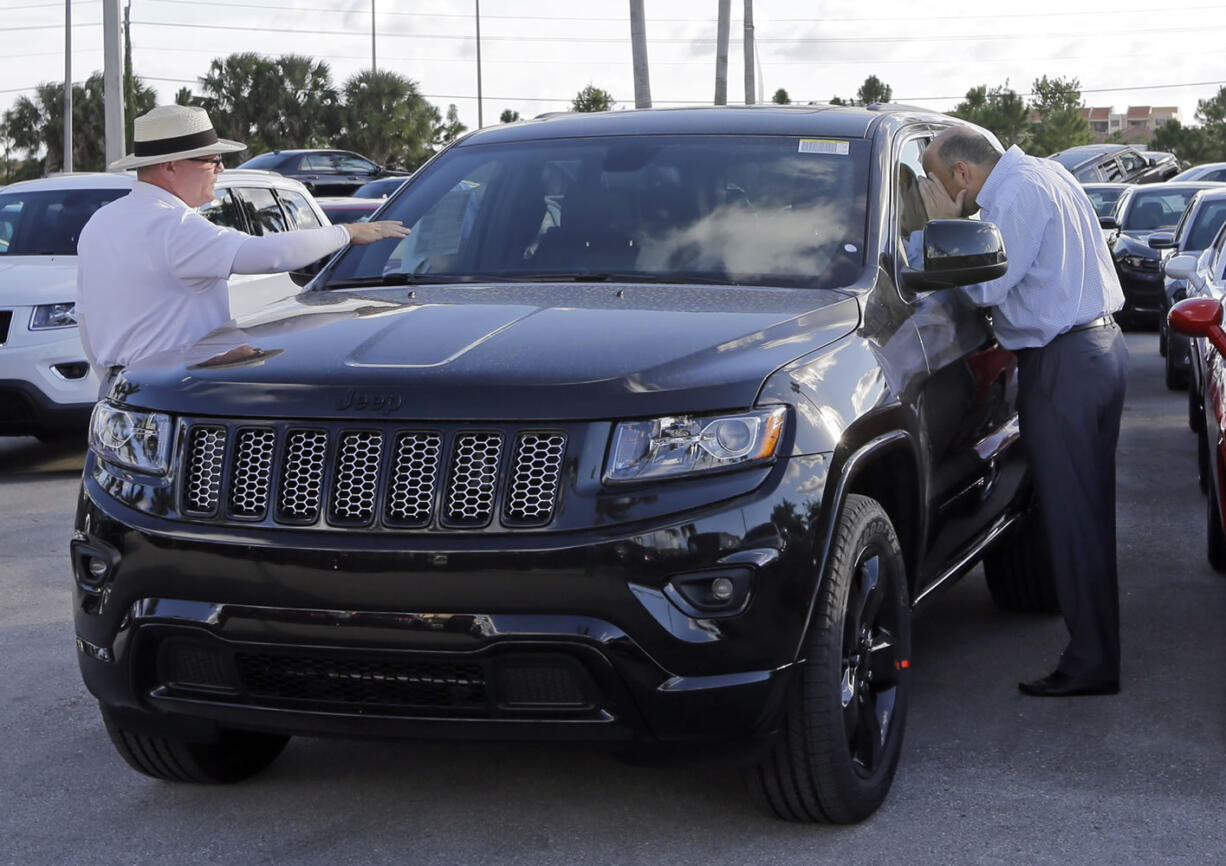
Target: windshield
(48,222)
(757,210)
(1204,226)
(1104,200)
(1153,210)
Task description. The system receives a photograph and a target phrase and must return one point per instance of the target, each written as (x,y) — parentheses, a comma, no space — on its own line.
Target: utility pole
(480,121)
(112,81)
(638,50)
(67,160)
(749,53)
(721,53)
(374,64)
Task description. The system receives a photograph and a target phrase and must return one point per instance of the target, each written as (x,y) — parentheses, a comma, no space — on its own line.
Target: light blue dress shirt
(1060,272)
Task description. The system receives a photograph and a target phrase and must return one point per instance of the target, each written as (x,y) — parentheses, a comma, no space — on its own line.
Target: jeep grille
(381,476)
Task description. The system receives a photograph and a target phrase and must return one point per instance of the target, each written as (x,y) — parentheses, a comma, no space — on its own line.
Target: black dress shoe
(1060,685)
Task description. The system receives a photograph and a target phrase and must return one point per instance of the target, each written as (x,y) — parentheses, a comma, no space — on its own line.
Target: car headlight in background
(54,316)
(687,444)
(139,441)
(1136,261)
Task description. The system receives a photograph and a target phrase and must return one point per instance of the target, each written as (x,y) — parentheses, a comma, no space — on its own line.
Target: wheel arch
(887,469)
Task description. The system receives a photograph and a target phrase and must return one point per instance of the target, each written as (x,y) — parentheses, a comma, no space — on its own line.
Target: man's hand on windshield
(367,233)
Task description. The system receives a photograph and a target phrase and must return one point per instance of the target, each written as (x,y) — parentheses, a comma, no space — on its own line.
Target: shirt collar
(991,186)
(150,190)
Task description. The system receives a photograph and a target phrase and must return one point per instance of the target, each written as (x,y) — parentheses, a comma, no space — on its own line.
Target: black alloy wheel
(835,757)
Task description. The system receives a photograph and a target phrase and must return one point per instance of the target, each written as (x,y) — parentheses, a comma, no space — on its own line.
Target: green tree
(781,97)
(1062,122)
(36,125)
(1000,110)
(449,129)
(269,103)
(873,90)
(592,98)
(508,116)
(1194,144)
(1212,115)
(385,117)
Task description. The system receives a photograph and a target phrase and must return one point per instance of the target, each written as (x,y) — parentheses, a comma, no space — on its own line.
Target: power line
(800,40)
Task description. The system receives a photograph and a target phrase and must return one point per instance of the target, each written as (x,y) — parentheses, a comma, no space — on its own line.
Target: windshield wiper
(400,280)
(673,278)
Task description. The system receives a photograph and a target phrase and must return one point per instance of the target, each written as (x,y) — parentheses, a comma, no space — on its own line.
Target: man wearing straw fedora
(152,272)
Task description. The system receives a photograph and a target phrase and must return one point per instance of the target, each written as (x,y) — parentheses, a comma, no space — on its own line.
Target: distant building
(1137,125)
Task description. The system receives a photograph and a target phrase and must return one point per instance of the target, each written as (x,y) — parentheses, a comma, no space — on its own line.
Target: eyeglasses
(214,161)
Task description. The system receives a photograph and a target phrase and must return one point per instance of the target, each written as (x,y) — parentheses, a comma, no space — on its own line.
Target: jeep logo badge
(375,402)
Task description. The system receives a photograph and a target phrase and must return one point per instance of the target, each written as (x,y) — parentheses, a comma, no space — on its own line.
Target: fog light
(97,567)
(702,594)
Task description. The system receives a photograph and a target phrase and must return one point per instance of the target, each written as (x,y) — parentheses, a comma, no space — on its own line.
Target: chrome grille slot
(206,458)
(535,474)
(474,478)
(356,485)
(302,476)
(410,499)
(251,480)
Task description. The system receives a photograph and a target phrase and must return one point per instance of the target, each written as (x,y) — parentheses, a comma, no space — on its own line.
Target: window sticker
(823,145)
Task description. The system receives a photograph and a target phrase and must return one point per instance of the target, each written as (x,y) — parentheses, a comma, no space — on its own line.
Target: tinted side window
(299,210)
(262,209)
(1132,162)
(224,211)
(349,163)
(1109,169)
(318,162)
(1218,175)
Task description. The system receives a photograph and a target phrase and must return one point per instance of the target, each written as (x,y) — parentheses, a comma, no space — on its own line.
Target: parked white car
(46,386)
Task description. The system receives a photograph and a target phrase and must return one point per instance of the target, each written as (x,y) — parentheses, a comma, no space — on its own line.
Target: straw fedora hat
(171,132)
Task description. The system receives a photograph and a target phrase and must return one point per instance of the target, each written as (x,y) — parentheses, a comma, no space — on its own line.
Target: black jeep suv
(647,433)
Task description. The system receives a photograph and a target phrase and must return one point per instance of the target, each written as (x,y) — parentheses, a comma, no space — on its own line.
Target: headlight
(688,444)
(1134,261)
(137,440)
(54,316)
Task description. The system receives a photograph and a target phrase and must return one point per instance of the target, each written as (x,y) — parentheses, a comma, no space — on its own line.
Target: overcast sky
(537,54)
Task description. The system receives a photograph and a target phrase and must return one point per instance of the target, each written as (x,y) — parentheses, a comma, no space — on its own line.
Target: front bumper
(1143,288)
(587,635)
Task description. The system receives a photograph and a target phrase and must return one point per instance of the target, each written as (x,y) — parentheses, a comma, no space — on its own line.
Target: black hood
(1135,243)
(496,352)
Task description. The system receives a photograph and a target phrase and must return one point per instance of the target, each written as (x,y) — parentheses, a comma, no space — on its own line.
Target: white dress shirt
(151,272)
(1060,271)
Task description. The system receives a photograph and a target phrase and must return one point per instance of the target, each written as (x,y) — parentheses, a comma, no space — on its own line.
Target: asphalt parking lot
(987,776)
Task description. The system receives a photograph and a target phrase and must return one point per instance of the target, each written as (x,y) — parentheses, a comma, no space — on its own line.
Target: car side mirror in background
(1108,222)
(958,253)
(302,276)
(1199,317)
(1161,241)
(1180,267)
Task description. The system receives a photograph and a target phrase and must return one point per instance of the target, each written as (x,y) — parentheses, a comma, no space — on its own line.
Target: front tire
(1176,379)
(234,756)
(835,758)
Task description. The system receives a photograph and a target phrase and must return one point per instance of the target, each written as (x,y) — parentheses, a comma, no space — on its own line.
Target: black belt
(1101,322)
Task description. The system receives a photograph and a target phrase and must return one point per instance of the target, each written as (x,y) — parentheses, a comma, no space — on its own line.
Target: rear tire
(234,756)
(1018,570)
(835,757)
(1176,379)
(1215,547)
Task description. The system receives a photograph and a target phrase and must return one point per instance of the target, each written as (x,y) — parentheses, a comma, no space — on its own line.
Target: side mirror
(958,253)
(1199,317)
(302,276)
(1109,222)
(1180,267)
(1161,241)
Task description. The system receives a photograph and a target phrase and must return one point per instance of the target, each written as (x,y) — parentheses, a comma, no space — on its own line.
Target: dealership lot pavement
(987,775)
